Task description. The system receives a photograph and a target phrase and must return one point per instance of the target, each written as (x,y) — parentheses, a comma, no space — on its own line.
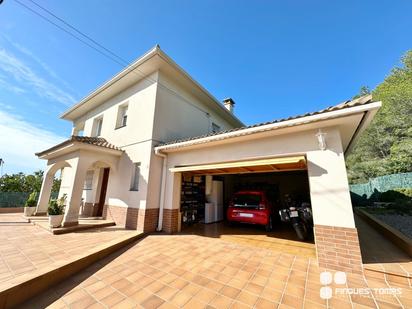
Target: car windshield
(246,200)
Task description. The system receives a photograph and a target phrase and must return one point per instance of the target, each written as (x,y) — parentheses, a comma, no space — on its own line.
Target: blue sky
(275,58)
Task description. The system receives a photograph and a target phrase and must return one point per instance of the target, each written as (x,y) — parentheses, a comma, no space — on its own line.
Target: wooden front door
(103,191)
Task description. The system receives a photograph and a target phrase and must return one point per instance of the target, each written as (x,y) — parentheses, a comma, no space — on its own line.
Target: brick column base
(147,220)
(338,248)
(170,220)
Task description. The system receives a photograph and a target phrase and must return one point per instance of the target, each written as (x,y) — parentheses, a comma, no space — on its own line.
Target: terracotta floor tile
(167,292)
(214,285)
(239,305)
(253,288)
(262,303)
(247,298)
(230,292)
(206,295)
(180,298)
(152,302)
(221,302)
(140,296)
(83,303)
(195,304)
(112,299)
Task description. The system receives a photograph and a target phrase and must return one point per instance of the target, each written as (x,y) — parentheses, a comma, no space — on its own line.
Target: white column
(71,215)
(329,189)
(45,191)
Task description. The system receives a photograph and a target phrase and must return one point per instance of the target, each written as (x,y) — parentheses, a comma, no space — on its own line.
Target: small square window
(215,128)
(122,116)
(134,185)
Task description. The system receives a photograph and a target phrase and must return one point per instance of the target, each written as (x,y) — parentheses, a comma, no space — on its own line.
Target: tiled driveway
(193,271)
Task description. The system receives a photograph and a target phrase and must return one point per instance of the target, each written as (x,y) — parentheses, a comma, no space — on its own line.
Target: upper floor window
(97,126)
(122,116)
(134,185)
(215,128)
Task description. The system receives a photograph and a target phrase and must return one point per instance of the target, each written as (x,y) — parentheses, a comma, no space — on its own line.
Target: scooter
(300,217)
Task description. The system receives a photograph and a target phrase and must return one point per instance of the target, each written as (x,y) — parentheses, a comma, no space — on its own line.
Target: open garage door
(209,190)
(246,166)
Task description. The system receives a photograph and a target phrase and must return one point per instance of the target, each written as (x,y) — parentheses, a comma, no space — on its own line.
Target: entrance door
(103,191)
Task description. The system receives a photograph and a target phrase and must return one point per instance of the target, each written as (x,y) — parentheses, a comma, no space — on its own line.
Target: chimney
(229,104)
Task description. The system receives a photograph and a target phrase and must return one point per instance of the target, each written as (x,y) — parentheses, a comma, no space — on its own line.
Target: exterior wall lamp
(321,139)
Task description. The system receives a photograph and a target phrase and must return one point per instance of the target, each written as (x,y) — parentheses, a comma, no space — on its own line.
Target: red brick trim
(170,220)
(148,218)
(115,213)
(338,248)
(132,218)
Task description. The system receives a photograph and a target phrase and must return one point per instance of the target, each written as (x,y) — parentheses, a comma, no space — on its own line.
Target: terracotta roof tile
(95,141)
(346,104)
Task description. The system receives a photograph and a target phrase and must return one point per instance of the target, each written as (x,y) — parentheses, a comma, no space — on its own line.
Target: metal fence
(17,199)
(382,184)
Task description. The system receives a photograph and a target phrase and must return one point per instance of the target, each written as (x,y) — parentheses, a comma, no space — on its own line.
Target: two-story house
(151,130)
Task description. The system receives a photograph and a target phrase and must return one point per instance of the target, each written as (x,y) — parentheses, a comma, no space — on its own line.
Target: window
(215,128)
(97,126)
(134,186)
(88,183)
(122,116)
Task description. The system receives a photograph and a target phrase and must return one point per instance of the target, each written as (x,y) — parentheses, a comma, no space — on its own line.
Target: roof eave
(369,108)
(139,61)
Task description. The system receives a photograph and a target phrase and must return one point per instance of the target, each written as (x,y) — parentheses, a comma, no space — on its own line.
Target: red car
(251,207)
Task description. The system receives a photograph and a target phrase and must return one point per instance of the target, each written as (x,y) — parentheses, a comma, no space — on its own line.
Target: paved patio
(25,247)
(193,271)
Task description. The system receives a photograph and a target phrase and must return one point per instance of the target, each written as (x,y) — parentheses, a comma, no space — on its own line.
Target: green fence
(17,199)
(382,184)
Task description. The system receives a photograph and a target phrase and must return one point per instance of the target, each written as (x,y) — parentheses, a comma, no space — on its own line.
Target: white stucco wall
(182,115)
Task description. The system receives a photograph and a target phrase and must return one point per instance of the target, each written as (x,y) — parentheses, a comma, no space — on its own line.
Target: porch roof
(97,142)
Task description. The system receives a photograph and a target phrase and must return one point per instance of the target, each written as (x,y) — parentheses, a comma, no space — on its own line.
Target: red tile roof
(95,141)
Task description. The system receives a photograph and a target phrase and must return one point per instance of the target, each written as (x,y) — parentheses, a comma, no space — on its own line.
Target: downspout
(162,189)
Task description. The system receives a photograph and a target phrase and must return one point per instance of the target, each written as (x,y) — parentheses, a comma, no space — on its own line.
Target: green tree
(20,182)
(386,146)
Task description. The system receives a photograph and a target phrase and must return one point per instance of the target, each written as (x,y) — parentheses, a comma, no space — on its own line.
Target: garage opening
(233,200)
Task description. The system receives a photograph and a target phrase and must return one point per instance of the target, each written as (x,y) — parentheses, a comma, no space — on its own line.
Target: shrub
(56,206)
(31,201)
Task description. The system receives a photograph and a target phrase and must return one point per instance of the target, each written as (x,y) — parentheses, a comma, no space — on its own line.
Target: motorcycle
(300,216)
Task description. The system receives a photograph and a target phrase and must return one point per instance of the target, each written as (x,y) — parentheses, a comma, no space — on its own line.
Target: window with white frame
(134,185)
(122,116)
(97,126)
(88,183)
(215,128)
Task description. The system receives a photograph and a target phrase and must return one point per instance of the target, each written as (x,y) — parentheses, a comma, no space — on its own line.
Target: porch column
(336,238)
(172,202)
(71,215)
(45,192)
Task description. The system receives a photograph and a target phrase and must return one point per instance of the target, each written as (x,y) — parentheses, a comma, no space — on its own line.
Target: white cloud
(45,67)
(23,73)
(10,87)
(20,140)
